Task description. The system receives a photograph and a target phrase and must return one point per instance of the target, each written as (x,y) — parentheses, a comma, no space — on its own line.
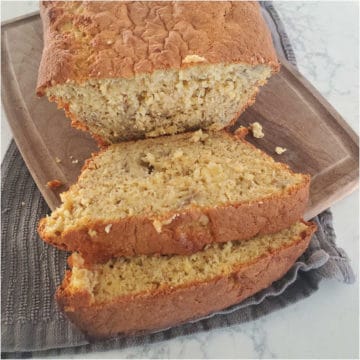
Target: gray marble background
(325,37)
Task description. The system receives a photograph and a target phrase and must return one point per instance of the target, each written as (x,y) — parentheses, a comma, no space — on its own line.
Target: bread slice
(174,195)
(128,295)
(142,69)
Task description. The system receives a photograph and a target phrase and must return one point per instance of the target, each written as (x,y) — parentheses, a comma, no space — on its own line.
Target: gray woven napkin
(31,324)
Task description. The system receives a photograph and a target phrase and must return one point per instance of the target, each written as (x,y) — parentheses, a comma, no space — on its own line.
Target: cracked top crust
(86,40)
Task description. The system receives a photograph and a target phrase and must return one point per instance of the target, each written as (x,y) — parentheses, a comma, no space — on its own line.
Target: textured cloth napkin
(31,324)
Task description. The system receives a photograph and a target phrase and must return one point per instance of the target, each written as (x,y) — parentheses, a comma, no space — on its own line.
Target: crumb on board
(73,161)
(23,203)
(57,160)
(241,132)
(279,150)
(54,184)
(257,130)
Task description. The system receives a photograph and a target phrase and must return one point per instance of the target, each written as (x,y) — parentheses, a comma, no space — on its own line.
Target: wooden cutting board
(293,114)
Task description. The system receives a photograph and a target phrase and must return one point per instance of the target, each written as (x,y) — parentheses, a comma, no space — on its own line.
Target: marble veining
(326,43)
(325,39)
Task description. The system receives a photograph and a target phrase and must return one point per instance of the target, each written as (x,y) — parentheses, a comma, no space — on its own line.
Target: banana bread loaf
(174,195)
(128,295)
(126,70)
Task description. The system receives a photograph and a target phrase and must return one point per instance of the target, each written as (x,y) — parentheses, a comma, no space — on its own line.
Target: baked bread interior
(185,187)
(164,102)
(153,292)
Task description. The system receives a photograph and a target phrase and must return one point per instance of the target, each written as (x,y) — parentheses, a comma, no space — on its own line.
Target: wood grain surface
(293,114)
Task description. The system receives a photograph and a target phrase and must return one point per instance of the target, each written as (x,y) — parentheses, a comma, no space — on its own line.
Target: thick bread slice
(128,70)
(151,292)
(174,195)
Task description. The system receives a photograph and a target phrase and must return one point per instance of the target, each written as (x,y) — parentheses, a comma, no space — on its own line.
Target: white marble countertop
(325,325)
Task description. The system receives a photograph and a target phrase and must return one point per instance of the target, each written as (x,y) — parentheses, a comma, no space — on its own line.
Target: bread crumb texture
(139,274)
(257,130)
(144,69)
(150,105)
(160,178)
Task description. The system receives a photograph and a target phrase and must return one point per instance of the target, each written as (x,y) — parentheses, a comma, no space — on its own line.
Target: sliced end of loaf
(149,292)
(181,192)
(164,102)
(164,76)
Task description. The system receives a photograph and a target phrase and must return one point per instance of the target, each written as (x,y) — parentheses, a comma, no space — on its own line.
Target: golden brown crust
(172,306)
(85,40)
(187,233)
(54,184)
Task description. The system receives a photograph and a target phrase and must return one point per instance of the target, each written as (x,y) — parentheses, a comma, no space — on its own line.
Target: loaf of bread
(128,70)
(174,195)
(128,295)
